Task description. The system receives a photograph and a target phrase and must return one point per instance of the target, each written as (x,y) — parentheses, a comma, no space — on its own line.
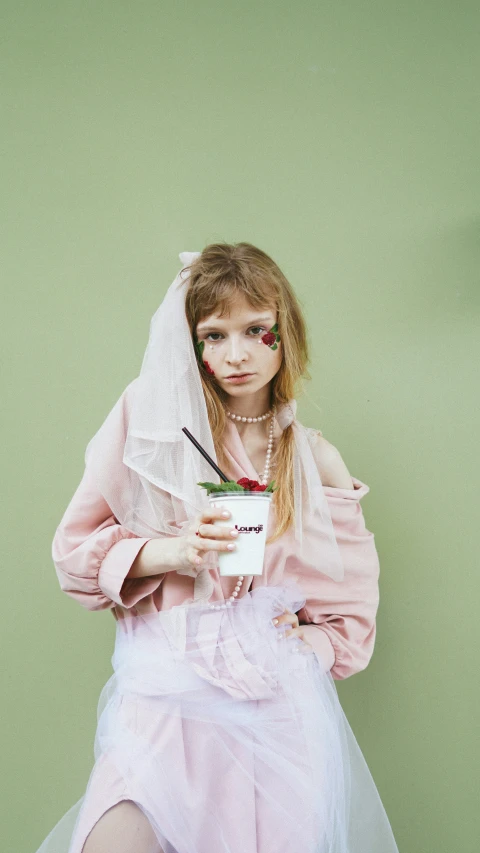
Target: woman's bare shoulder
(332,469)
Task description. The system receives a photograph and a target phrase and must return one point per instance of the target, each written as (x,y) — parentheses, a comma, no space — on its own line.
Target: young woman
(220,730)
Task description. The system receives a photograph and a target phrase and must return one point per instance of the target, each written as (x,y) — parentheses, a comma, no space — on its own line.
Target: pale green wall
(343,140)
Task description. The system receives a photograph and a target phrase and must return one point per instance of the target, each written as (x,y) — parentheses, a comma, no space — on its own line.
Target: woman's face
(238,344)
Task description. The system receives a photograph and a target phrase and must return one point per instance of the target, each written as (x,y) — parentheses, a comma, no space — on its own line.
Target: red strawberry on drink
(247,483)
(251,485)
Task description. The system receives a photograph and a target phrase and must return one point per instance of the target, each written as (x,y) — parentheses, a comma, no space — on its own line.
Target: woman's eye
(209,336)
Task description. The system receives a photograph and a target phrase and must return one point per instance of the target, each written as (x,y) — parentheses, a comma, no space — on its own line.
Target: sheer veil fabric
(228,735)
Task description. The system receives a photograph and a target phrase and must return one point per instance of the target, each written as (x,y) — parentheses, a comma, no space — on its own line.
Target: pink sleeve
(92,553)
(340,616)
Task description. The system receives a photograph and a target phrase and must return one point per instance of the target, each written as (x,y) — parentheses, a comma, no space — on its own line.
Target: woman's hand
(296,631)
(186,551)
(191,548)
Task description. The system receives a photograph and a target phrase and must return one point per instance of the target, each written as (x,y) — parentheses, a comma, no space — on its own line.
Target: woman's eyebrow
(250,323)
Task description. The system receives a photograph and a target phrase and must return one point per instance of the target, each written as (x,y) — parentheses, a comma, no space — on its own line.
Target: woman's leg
(122,829)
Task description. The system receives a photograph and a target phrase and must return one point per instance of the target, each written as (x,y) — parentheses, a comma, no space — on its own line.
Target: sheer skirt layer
(229,737)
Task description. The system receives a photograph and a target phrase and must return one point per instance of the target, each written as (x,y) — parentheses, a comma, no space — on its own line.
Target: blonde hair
(220,272)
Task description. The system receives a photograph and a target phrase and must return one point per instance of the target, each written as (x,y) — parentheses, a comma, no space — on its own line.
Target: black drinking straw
(205,454)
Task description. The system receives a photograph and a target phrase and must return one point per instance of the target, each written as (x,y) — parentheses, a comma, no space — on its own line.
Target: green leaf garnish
(229,486)
(232,486)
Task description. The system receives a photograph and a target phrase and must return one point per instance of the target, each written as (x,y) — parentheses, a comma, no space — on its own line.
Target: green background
(343,140)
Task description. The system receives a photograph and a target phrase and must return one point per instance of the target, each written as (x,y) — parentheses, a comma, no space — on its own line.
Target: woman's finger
(286,618)
(213,531)
(295,632)
(202,543)
(298,633)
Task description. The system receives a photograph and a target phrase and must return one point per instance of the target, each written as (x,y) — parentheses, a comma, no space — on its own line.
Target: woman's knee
(124,828)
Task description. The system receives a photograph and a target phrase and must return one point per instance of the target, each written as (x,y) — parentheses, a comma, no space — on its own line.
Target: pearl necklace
(249,420)
(263,481)
(263,478)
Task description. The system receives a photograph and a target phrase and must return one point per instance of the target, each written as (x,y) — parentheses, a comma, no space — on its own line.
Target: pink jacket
(93,553)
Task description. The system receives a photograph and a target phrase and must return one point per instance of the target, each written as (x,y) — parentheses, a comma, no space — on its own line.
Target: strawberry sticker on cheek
(271,338)
(200,347)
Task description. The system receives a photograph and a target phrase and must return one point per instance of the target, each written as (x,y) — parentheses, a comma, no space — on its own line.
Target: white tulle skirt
(229,737)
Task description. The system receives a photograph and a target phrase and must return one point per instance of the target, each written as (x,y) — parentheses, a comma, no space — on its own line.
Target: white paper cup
(249,514)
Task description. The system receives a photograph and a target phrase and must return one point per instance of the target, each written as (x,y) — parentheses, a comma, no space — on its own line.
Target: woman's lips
(237,379)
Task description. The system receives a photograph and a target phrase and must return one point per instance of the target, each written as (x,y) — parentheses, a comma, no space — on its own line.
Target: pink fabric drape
(93,553)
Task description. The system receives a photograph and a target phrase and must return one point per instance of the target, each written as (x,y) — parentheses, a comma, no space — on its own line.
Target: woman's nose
(235,350)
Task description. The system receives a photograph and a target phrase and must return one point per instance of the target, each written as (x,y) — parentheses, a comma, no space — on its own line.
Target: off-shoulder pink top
(93,553)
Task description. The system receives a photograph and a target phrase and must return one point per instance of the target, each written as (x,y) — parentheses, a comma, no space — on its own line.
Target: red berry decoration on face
(268,338)
(200,346)
(271,337)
